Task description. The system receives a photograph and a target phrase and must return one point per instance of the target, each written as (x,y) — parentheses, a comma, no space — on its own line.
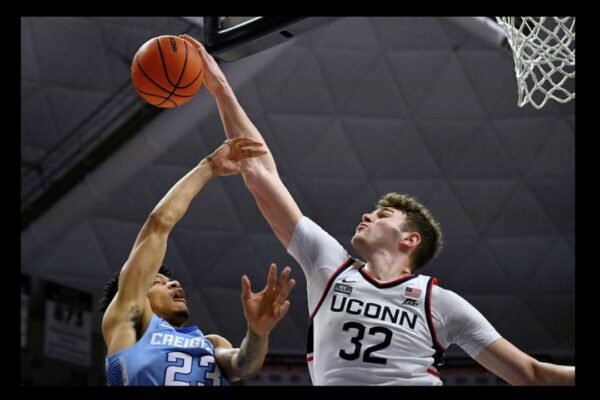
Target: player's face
(167,299)
(380,228)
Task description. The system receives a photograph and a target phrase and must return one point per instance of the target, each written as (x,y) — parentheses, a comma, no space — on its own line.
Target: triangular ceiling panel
(387,104)
(72,104)
(303,80)
(448,141)
(245,206)
(322,162)
(270,248)
(529,325)
(556,158)
(386,147)
(450,214)
(479,272)
(335,36)
(356,205)
(422,190)
(485,157)
(483,198)
(202,251)
(410,68)
(555,272)
(115,239)
(136,201)
(452,95)
(190,155)
(211,208)
(522,206)
(344,82)
(557,198)
(249,97)
(452,258)
(524,138)
(44,128)
(497,96)
(241,258)
(272,86)
(461,38)
(517,255)
(93,264)
(412,33)
(327,198)
(561,322)
(303,135)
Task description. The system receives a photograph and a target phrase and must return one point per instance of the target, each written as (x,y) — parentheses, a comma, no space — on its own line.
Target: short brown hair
(418,218)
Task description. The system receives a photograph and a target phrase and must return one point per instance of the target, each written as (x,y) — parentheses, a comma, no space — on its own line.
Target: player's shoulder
(441,294)
(218,341)
(425,279)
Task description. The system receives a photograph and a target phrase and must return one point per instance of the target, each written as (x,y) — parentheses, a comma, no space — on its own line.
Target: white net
(544,53)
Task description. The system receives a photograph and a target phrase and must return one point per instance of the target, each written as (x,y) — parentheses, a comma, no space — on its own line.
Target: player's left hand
(226,159)
(264,309)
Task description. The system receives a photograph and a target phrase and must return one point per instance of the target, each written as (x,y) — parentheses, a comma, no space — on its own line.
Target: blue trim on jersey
(114,372)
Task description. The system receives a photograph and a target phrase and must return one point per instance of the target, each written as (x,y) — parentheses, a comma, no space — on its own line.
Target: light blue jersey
(166,356)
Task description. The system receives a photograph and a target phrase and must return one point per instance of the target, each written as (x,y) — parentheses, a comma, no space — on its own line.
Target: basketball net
(544,53)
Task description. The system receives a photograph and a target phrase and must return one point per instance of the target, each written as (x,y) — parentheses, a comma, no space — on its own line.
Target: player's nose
(174,284)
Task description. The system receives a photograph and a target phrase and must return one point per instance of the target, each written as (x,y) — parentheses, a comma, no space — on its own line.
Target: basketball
(167,71)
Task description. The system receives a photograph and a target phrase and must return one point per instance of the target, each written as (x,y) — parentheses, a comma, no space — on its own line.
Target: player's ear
(410,239)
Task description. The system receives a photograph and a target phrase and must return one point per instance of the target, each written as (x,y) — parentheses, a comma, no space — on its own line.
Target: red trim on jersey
(309,358)
(381,284)
(338,270)
(433,372)
(432,281)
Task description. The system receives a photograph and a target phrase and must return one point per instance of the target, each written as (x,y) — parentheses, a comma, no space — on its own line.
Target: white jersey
(374,332)
(367,332)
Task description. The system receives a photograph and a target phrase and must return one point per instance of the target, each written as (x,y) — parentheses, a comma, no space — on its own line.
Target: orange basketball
(167,71)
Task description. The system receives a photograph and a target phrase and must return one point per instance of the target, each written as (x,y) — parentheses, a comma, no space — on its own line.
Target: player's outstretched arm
(517,368)
(130,305)
(260,174)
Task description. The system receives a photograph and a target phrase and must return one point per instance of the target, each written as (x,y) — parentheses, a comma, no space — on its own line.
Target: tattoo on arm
(252,354)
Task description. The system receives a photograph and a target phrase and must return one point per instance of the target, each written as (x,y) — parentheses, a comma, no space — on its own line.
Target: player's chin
(181,305)
(182,314)
(356,239)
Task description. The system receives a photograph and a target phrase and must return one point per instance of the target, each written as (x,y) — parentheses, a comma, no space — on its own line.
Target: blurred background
(352,108)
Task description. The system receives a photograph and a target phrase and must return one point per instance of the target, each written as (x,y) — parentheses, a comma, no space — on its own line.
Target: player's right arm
(260,174)
(129,313)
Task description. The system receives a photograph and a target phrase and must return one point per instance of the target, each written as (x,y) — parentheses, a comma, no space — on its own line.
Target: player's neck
(387,267)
